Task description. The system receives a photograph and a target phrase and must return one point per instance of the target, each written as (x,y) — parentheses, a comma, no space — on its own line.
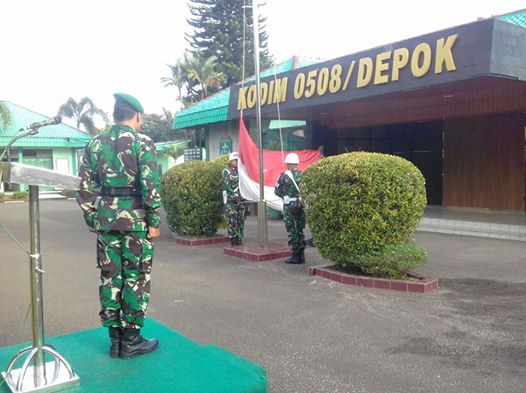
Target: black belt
(120,191)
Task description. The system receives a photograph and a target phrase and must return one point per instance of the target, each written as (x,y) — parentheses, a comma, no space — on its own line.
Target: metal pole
(262,204)
(37,312)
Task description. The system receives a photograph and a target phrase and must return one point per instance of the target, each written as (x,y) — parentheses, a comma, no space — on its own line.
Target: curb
(258,254)
(200,241)
(425,285)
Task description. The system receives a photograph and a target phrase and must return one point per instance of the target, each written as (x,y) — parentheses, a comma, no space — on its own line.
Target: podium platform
(179,365)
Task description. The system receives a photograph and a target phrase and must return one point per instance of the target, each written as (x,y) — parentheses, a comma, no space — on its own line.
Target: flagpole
(262,204)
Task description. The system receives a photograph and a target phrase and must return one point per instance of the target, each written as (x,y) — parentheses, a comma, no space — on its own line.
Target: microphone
(50,122)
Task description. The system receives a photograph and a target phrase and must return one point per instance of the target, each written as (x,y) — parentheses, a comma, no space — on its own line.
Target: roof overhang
(468,70)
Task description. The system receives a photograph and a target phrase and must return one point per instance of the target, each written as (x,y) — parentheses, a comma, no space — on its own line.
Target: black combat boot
(115,337)
(239,241)
(132,343)
(302,255)
(233,241)
(294,259)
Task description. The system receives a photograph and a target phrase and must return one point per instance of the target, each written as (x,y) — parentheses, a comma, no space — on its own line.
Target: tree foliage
(202,71)
(83,113)
(178,78)
(215,60)
(5,115)
(158,127)
(194,75)
(218,31)
(172,151)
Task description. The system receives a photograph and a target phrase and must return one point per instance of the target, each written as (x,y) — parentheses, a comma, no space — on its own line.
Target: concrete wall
(219,131)
(63,161)
(230,129)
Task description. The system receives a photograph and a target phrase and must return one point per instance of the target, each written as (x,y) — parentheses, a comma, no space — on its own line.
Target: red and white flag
(273,166)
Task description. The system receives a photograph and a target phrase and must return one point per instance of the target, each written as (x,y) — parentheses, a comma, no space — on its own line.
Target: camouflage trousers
(235,214)
(125,263)
(294,217)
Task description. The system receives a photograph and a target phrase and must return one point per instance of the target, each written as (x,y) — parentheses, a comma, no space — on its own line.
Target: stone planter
(200,241)
(420,284)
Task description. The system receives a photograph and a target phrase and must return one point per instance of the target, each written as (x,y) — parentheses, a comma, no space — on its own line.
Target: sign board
(193,154)
(485,48)
(225,146)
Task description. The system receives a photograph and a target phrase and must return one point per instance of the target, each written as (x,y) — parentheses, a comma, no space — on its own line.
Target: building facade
(54,147)
(453,102)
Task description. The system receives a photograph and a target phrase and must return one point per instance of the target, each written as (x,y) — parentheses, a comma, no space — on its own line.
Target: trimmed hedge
(393,261)
(191,197)
(17,195)
(360,205)
(222,161)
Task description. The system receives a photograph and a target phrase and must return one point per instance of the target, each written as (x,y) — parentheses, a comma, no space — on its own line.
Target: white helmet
(292,158)
(233,156)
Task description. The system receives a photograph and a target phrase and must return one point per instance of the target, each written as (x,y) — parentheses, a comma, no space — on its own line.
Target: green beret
(127,101)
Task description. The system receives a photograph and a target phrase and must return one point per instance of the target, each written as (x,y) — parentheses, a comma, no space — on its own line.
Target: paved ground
(312,335)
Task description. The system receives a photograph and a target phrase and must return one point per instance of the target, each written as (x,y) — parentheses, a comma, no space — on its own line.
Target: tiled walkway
(481,223)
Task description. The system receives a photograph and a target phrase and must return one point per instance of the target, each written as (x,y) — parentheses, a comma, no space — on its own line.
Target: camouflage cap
(127,101)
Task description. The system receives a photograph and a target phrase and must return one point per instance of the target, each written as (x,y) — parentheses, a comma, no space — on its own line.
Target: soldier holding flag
(287,188)
(235,208)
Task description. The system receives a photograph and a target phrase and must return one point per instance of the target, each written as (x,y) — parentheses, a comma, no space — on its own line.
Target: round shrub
(20,195)
(222,161)
(357,204)
(393,261)
(191,197)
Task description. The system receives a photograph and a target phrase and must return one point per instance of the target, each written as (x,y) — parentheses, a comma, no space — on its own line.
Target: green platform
(179,365)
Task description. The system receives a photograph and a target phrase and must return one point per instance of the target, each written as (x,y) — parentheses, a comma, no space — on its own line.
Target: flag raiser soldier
(235,207)
(287,188)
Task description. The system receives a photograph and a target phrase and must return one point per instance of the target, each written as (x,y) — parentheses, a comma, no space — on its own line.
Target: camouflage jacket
(231,185)
(120,158)
(285,186)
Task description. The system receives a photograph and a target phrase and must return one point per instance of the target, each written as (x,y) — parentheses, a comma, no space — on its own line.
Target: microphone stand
(29,132)
(41,376)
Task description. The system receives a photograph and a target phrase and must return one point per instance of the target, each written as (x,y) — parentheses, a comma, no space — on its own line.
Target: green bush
(191,197)
(360,204)
(69,193)
(20,195)
(222,161)
(393,261)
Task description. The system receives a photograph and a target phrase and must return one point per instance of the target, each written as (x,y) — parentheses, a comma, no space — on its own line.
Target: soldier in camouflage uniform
(287,187)
(235,208)
(126,218)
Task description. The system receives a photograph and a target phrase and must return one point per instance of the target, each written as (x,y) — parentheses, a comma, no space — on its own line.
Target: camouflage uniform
(122,162)
(293,213)
(235,208)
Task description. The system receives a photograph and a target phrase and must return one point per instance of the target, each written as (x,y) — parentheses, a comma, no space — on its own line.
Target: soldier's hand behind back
(153,232)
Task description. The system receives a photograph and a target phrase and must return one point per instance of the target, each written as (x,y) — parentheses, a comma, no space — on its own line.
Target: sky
(55,49)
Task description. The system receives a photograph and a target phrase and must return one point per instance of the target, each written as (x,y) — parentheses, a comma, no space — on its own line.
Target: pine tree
(218,31)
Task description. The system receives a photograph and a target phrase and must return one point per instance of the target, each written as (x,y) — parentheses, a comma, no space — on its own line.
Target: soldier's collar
(125,127)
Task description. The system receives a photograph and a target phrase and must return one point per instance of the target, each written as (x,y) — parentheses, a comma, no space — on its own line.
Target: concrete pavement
(312,335)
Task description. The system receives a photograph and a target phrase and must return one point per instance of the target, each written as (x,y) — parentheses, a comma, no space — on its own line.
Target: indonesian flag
(273,166)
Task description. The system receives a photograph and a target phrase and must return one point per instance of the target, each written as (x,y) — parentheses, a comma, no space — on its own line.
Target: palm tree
(203,72)
(82,113)
(178,78)
(5,115)
(173,151)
